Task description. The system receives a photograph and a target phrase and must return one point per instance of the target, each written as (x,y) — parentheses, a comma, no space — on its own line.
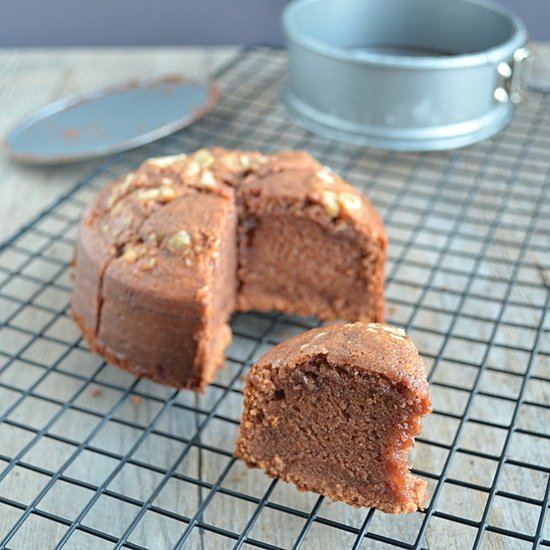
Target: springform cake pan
(404,74)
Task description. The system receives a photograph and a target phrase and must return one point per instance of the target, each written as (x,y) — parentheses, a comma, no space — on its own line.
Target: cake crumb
(95,392)
(239,477)
(136,399)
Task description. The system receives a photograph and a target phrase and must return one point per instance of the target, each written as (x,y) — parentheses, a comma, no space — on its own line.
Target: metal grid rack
(92,458)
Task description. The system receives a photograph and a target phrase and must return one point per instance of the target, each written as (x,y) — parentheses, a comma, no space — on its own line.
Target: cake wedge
(335,410)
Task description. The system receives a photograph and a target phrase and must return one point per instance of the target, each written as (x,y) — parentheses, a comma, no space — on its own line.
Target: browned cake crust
(168,252)
(335,410)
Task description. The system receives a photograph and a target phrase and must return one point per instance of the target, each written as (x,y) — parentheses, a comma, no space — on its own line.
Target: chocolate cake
(335,410)
(167,253)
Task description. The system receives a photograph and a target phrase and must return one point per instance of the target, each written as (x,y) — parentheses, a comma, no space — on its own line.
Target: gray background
(164,22)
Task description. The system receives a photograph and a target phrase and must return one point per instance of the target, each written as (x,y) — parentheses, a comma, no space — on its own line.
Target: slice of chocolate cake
(335,411)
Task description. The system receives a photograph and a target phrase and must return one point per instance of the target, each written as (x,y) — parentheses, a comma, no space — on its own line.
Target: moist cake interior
(339,432)
(294,264)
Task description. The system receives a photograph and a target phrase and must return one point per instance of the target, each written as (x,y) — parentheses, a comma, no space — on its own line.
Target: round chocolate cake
(168,252)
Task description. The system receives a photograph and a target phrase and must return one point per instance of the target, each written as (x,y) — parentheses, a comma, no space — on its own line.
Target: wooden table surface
(31,78)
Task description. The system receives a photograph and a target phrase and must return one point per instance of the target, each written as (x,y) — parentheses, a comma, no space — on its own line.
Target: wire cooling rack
(91,457)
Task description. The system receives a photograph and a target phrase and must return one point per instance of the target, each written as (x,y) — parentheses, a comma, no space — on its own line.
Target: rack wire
(91,457)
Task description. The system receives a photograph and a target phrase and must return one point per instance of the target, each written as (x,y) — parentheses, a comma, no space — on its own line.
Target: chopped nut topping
(163,162)
(127,182)
(350,202)
(238,163)
(188,262)
(148,264)
(253,161)
(340,226)
(204,157)
(130,255)
(164,193)
(132,252)
(336,203)
(330,202)
(207,178)
(179,240)
(192,168)
(325,175)
(316,337)
(117,209)
(231,161)
(120,189)
(148,194)
(167,181)
(394,332)
(245,161)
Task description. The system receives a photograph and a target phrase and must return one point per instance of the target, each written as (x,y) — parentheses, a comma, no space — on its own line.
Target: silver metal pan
(403,74)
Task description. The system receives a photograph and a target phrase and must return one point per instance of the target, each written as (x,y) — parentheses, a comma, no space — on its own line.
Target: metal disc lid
(106,121)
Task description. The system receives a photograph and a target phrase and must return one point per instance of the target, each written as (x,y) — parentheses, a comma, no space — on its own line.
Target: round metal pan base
(402,75)
(397,139)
